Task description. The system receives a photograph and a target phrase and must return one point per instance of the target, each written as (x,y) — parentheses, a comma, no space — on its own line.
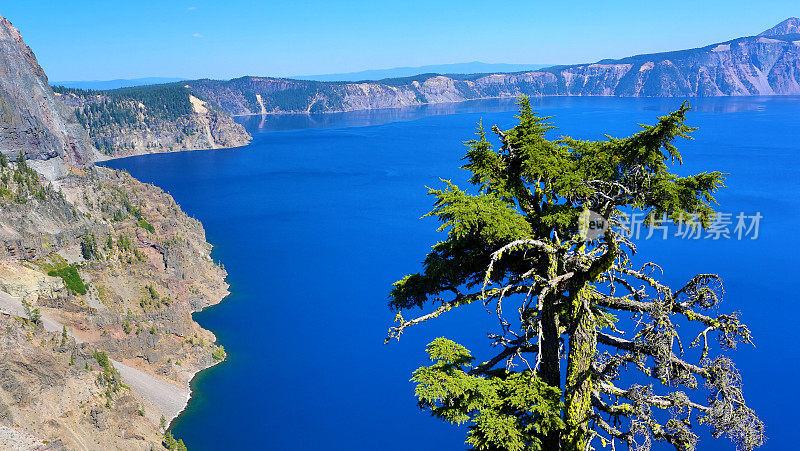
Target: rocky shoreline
(140,293)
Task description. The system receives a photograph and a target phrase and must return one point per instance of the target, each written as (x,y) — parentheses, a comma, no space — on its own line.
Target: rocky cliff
(99,276)
(151,119)
(767,64)
(32,121)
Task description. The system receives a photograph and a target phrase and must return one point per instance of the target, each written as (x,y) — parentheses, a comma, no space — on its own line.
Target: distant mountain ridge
(102,85)
(475,67)
(766,64)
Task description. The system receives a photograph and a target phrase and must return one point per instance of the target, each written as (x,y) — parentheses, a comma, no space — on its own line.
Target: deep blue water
(320,214)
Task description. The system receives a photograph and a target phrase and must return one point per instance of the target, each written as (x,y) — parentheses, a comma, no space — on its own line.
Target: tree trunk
(579,383)
(550,365)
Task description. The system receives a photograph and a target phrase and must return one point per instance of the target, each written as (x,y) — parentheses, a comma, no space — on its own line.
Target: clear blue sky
(90,40)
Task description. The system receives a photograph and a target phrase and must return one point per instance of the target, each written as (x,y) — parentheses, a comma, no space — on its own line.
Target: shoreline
(548,96)
(174,408)
(190,389)
(190,394)
(99,158)
(416,105)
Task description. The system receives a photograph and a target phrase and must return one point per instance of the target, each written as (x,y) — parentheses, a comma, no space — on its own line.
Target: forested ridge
(120,106)
(150,118)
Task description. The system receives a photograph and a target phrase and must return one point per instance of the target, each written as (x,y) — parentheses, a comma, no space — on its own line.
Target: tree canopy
(560,376)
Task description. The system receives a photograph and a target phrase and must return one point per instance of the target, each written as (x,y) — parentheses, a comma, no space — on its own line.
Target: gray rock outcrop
(32,120)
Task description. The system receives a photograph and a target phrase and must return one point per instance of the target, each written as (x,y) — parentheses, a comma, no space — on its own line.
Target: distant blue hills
(100,85)
(475,67)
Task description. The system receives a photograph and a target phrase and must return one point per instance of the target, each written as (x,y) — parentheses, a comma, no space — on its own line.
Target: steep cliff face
(99,276)
(32,120)
(767,64)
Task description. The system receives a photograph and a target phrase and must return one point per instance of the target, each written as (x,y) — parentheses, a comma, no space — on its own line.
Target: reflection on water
(728,104)
(363,118)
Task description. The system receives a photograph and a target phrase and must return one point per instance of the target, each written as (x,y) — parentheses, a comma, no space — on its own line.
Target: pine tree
(89,246)
(516,247)
(31,312)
